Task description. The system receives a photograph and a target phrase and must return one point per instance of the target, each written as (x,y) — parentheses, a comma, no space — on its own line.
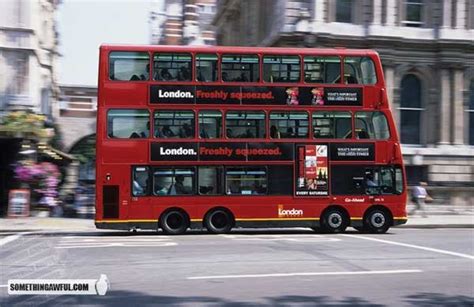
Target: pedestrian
(418,196)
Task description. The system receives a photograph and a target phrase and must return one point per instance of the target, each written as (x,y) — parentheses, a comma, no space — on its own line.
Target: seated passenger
(203,134)
(351,80)
(229,133)
(165,75)
(274,133)
(362,134)
(166,132)
(135,78)
(186,131)
(146,74)
(183,74)
(225,76)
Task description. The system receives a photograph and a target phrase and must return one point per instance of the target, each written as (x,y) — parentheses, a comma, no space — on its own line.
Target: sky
(84,25)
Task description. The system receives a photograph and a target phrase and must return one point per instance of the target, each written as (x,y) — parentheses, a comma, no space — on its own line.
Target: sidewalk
(34,224)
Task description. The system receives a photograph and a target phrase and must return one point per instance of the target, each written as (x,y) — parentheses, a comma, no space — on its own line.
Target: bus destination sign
(258,95)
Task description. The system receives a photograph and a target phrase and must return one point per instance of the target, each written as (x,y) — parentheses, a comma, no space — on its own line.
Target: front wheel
(334,221)
(174,222)
(377,221)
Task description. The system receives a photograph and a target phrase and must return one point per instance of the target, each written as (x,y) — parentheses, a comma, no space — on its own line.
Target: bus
(219,138)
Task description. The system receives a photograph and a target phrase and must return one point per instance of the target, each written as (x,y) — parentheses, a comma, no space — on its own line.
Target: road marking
(69,242)
(291,238)
(9,239)
(305,274)
(3,286)
(435,250)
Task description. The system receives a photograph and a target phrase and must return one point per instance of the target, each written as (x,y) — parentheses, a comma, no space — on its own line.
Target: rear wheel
(219,221)
(174,222)
(334,221)
(377,221)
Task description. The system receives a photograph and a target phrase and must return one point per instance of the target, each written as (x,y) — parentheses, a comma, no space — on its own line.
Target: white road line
(305,274)
(9,239)
(435,250)
(3,286)
(157,244)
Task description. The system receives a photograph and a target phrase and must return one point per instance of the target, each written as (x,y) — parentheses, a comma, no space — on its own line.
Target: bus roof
(238,49)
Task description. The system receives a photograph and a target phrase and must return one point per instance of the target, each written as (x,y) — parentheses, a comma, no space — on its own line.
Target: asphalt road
(406,267)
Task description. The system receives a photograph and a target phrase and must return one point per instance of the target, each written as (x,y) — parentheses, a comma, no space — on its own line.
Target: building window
(413,16)
(410,109)
(471,113)
(344,12)
(21,73)
(471,14)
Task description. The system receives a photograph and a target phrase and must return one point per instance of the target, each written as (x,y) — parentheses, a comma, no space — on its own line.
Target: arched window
(471,113)
(410,109)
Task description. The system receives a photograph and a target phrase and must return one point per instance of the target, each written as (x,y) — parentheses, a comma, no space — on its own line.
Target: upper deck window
(206,67)
(288,125)
(281,68)
(371,125)
(172,67)
(359,70)
(240,68)
(174,124)
(332,125)
(322,69)
(125,124)
(129,66)
(245,124)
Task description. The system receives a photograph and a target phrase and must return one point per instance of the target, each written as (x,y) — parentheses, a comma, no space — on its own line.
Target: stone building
(28,62)
(182,22)
(427,52)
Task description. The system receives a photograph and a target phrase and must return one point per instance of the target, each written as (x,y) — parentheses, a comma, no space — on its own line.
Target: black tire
(219,221)
(377,221)
(334,221)
(174,222)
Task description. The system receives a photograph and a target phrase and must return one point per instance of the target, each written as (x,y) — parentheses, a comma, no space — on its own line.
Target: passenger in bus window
(369,181)
(183,74)
(229,133)
(225,76)
(179,185)
(186,131)
(274,133)
(145,133)
(166,132)
(146,73)
(362,134)
(289,132)
(165,75)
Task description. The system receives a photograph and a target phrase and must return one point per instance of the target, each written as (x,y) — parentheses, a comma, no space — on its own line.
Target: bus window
(322,69)
(129,66)
(210,124)
(240,68)
(206,67)
(281,68)
(246,181)
(172,67)
(210,180)
(245,124)
(140,181)
(332,125)
(289,125)
(371,125)
(128,123)
(174,124)
(359,70)
(179,181)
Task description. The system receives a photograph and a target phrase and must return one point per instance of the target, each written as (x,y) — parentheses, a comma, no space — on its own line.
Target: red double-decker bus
(224,137)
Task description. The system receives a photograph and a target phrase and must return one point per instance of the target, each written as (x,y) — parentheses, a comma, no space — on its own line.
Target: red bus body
(117,208)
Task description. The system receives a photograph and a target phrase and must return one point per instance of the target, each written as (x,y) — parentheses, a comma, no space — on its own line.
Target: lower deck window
(246,181)
(140,181)
(179,181)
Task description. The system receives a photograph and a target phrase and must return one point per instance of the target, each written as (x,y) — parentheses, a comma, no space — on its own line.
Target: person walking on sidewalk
(418,197)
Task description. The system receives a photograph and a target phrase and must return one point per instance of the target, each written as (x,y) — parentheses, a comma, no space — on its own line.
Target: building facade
(427,52)
(183,22)
(28,62)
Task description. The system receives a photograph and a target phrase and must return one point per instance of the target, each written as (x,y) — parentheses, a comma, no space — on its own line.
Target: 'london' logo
(177,151)
(174,94)
(289,212)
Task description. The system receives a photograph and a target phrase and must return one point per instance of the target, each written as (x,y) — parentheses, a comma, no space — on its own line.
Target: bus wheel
(174,222)
(219,221)
(334,221)
(377,221)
